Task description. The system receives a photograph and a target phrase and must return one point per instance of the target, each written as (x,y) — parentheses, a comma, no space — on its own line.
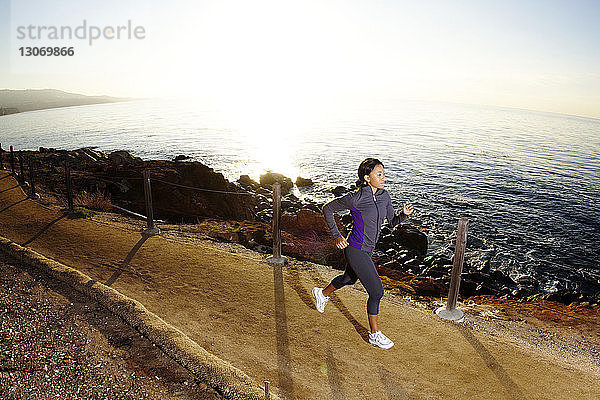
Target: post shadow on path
(12,205)
(393,388)
(44,229)
(504,378)
(10,188)
(333,376)
(339,304)
(127,260)
(294,281)
(306,297)
(284,364)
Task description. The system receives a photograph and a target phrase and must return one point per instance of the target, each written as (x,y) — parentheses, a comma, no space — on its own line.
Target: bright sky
(533,54)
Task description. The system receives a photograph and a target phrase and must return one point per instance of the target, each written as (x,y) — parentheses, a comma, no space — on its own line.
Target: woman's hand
(407,209)
(341,243)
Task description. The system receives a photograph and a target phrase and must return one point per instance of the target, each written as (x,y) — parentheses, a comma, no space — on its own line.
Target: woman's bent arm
(341,203)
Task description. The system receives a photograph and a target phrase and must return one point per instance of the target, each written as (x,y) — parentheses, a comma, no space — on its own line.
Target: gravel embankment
(56,343)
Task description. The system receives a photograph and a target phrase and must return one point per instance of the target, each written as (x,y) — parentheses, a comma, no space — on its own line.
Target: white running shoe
(380,340)
(320,300)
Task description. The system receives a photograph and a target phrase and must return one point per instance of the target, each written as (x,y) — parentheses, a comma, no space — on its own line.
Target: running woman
(369,206)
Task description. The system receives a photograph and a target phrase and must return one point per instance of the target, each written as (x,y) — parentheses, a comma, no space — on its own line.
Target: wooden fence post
(12,160)
(21,165)
(451,312)
(32,178)
(150,229)
(277,258)
(68,184)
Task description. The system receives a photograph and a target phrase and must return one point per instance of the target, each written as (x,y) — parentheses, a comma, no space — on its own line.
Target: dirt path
(57,343)
(261,319)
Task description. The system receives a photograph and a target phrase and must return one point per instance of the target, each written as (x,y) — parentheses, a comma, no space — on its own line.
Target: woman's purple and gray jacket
(368,212)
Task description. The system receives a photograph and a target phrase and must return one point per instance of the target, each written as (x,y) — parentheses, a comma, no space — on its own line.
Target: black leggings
(360,266)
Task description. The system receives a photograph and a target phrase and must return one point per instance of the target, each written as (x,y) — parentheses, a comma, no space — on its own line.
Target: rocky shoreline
(244,213)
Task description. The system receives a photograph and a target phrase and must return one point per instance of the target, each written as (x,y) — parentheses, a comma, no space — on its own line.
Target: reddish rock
(311,238)
(247,233)
(415,285)
(427,286)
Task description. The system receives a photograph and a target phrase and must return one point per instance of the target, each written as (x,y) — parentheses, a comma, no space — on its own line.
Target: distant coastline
(16,101)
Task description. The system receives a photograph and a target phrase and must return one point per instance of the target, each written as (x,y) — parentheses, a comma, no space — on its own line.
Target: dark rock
(267,180)
(261,248)
(285,204)
(292,210)
(264,205)
(380,258)
(207,203)
(263,198)
(402,256)
(411,239)
(347,219)
(119,176)
(181,157)
(418,269)
(265,192)
(247,183)
(528,281)
(391,252)
(501,279)
(292,197)
(485,284)
(438,271)
(84,157)
(122,157)
(474,242)
(385,230)
(467,288)
(303,182)
(443,261)
(307,219)
(123,185)
(523,292)
(563,296)
(412,262)
(386,241)
(264,215)
(339,190)
(393,264)
(485,266)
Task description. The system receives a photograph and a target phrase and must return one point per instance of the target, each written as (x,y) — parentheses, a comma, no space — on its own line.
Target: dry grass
(94,201)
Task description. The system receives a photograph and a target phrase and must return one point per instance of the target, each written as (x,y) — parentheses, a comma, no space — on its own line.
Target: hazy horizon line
(388,97)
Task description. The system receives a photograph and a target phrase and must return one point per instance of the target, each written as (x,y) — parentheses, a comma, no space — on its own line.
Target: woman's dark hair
(365,168)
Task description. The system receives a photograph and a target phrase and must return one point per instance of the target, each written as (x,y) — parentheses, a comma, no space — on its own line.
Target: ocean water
(529,182)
